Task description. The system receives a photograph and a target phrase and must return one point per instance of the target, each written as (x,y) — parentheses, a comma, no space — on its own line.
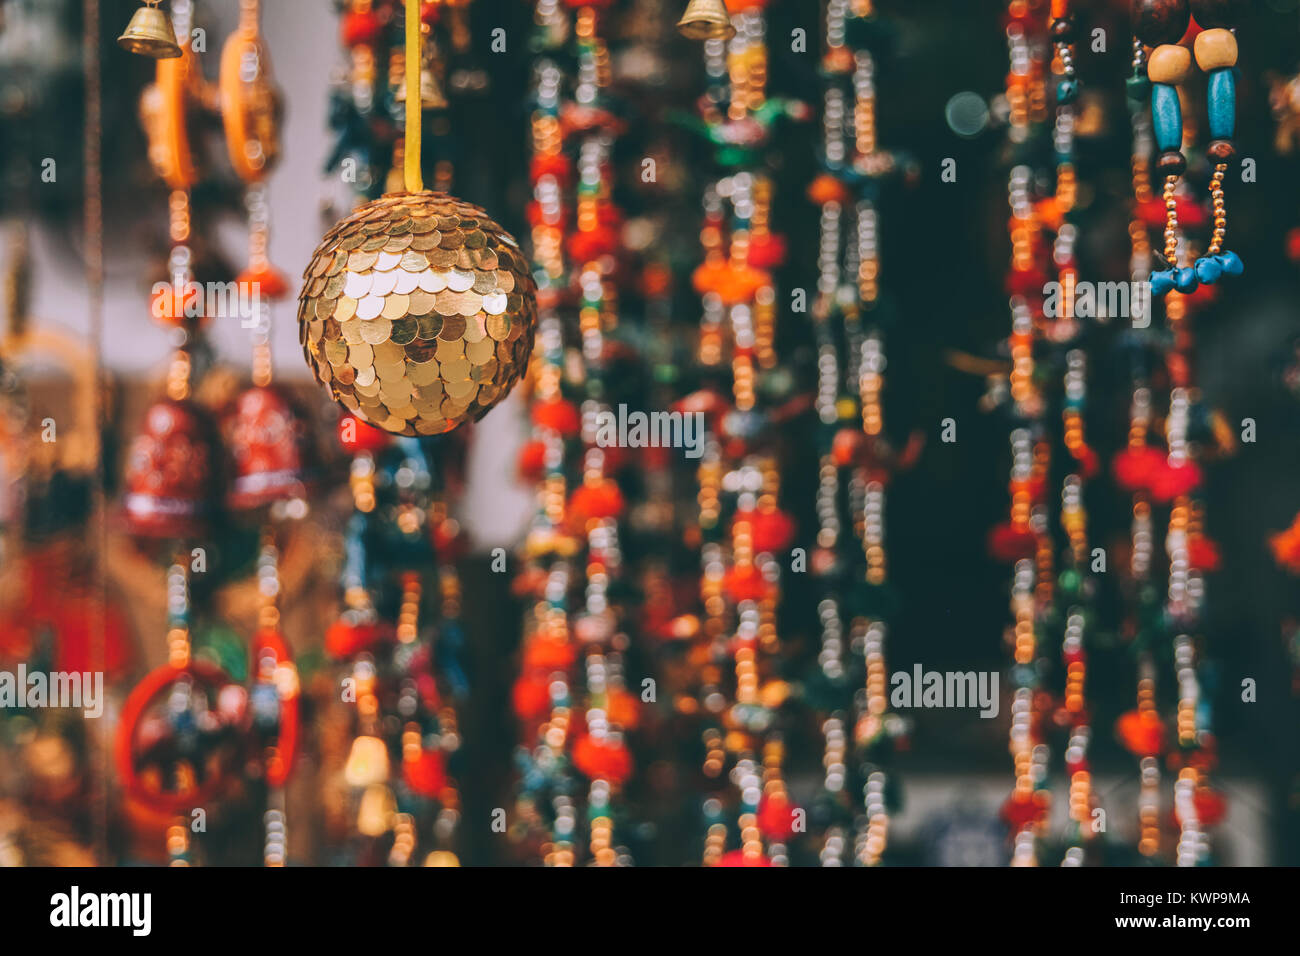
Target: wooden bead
(1171,163)
(1215,49)
(1221,151)
(1169,64)
(1217,13)
(1160,21)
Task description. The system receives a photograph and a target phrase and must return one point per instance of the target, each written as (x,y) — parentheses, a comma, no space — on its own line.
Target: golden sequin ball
(418,312)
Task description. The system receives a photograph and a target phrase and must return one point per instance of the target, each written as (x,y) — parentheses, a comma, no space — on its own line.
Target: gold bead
(1169,63)
(1215,49)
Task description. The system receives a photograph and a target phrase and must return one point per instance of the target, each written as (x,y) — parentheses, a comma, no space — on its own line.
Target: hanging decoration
(417,311)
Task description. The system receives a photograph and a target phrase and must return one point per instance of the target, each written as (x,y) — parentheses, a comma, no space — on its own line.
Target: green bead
(1138,87)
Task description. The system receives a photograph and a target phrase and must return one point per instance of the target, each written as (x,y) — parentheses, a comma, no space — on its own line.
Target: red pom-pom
(531,697)
(1022,809)
(738,858)
(595,500)
(358,28)
(559,415)
(425,774)
(267,282)
(767,251)
(532,460)
(1027,282)
(550,164)
(848,447)
(602,759)
(770,531)
(746,583)
(356,436)
(546,655)
(1173,481)
(1141,732)
(1203,554)
(589,244)
(1211,807)
(1135,467)
(776,817)
(344,639)
(1008,544)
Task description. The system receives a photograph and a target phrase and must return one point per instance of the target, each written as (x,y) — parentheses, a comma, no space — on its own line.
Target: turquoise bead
(1221,97)
(1138,87)
(1166,116)
(1162,283)
(1067,91)
(1232,264)
(1208,270)
(1185,279)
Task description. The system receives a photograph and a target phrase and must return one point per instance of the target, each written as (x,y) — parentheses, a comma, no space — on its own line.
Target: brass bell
(150,33)
(706,20)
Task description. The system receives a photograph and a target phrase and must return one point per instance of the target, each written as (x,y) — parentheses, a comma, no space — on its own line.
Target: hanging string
(414,183)
(93,226)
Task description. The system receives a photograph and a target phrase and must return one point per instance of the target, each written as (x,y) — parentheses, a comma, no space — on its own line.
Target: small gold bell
(706,20)
(367,763)
(150,33)
(375,815)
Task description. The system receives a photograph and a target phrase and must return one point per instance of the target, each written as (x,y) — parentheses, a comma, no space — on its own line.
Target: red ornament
(265,438)
(170,476)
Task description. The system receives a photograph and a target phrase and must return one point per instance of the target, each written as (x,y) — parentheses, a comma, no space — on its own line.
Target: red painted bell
(170,473)
(265,437)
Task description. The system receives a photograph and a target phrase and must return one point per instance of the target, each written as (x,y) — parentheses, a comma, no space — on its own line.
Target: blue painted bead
(1166,116)
(1067,91)
(1185,279)
(1162,283)
(1221,102)
(1208,270)
(1232,264)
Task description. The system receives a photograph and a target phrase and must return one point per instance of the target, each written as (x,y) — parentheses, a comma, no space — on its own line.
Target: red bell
(266,438)
(169,472)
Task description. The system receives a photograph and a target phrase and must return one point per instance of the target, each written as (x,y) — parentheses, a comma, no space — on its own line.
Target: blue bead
(1232,264)
(1067,91)
(1185,279)
(1221,102)
(1162,283)
(1208,270)
(1166,116)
